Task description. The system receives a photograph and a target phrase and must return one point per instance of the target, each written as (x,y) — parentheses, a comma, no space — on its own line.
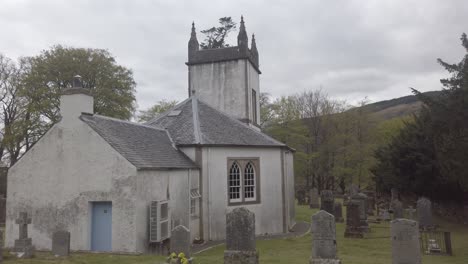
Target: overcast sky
(351,49)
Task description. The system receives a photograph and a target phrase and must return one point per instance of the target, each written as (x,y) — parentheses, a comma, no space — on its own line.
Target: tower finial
(253,50)
(193,45)
(242,39)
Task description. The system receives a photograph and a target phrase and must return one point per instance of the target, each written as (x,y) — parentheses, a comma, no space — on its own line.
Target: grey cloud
(350,48)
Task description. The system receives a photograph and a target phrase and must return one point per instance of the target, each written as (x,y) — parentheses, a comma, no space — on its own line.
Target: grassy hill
(398,107)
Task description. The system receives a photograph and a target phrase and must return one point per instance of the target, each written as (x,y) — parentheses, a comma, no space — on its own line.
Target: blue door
(101,226)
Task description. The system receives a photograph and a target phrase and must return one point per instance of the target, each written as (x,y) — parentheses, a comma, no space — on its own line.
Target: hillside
(398,107)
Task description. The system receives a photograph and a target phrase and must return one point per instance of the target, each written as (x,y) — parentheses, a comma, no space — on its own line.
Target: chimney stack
(75,100)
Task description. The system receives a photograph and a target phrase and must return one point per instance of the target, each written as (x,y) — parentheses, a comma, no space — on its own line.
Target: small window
(194,200)
(249,182)
(193,207)
(254,106)
(235,183)
(243,181)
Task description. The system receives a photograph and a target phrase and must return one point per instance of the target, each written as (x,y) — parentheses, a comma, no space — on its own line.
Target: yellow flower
(181,255)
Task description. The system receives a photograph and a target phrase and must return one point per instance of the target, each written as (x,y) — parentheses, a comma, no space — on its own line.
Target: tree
(152,112)
(429,155)
(30,92)
(48,73)
(215,37)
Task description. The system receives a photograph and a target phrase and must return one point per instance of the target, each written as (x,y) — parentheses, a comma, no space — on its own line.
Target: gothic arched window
(249,182)
(235,183)
(243,177)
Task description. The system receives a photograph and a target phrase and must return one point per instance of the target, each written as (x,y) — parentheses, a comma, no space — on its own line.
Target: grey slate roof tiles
(199,123)
(144,146)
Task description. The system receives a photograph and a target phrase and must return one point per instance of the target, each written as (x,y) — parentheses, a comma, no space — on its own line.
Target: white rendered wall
(56,181)
(226,86)
(157,185)
(268,213)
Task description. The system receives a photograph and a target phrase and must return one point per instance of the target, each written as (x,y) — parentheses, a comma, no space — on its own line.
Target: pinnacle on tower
(253,50)
(242,39)
(193,45)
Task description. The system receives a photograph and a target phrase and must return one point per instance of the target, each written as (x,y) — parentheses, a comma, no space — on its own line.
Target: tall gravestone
(327,201)
(338,213)
(370,202)
(394,192)
(1,246)
(240,237)
(405,242)
(23,245)
(361,199)
(353,221)
(180,241)
(424,209)
(323,239)
(61,243)
(314,198)
(397,209)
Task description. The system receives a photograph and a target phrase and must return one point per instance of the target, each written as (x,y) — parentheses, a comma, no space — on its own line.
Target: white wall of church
(56,181)
(161,185)
(290,195)
(268,213)
(224,85)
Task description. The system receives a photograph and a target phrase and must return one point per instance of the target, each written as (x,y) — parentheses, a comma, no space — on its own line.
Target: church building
(122,186)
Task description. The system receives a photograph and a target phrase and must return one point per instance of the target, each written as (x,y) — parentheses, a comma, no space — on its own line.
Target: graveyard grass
(372,250)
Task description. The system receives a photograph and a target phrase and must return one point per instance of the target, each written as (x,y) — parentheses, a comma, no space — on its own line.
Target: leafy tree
(160,107)
(112,85)
(429,156)
(215,37)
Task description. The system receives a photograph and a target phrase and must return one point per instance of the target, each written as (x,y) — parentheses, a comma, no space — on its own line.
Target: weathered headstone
(394,192)
(180,241)
(370,202)
(314,198)
(323,239)
(410,213)
(338,213)
(23,245)
(424,209)
(361,199)
(397,209)
(1,246)
(61,243)
(405,242)
(327,201)
(353,190)
(240,237)
(353,221)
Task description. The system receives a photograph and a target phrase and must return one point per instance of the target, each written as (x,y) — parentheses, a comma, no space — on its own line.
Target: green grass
(374,249)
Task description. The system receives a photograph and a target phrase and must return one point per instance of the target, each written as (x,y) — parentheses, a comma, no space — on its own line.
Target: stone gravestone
(370,202)
(1,246)
(323,239)
(405,242)
(397,209)
(240,237)
(327,201)
(23,245)
(410,213)
(338,213)
(314,198)
(353,190)
(61,243)
(394,192)
(424,210)
(353,227)
(361,199)
(180,241)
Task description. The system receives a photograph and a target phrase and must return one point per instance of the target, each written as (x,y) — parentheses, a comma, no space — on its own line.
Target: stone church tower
(227,78)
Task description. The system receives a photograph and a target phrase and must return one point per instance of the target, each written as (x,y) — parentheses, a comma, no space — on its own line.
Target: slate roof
(200,124)
(144,146)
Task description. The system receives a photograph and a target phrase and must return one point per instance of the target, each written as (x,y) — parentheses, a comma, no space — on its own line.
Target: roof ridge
(127,122)
(242,123)
(155,119)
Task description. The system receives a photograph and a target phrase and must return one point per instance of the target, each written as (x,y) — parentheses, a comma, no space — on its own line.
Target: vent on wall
(159,221)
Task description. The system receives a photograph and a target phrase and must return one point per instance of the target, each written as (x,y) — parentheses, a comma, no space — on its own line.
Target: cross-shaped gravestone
(23,222)
(23,245)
